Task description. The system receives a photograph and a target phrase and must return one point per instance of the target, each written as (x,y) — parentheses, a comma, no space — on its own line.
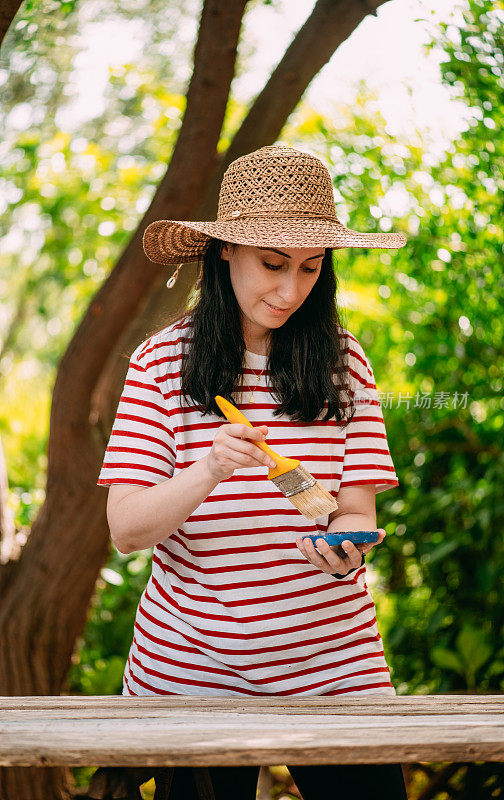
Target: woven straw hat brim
(172,242)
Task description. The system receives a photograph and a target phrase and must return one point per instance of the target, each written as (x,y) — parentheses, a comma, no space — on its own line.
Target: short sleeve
(141,448)
(367,458)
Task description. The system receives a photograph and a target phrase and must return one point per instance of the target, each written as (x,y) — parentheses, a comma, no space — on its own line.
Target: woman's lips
(277,311)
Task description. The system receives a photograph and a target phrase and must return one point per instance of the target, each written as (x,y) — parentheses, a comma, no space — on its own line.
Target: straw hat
(273,197)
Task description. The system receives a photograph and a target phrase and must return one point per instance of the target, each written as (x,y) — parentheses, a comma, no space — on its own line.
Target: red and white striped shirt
(231,606)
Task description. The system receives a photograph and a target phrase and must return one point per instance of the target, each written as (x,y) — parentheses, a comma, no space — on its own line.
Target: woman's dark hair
(308,364)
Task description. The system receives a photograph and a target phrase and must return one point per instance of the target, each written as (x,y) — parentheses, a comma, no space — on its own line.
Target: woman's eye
(277,266)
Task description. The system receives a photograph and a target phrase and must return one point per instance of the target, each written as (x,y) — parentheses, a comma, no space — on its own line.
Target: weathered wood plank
(141,713)
(337,747)
(133,706)
(228,721)
(193,731)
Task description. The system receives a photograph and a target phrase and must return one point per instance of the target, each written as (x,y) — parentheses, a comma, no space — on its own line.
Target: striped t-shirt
(231,606)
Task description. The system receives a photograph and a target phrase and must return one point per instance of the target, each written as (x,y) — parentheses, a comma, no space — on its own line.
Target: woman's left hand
(328,561)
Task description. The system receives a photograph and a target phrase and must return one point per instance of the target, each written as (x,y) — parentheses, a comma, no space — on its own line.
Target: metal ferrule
(289,483)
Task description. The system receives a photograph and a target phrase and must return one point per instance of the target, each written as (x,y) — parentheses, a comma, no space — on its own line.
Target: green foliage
(454,510)
(473,651)
(428,316)
(98,663)
(69,202)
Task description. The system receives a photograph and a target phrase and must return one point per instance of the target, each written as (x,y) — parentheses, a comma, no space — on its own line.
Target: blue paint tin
(333,539)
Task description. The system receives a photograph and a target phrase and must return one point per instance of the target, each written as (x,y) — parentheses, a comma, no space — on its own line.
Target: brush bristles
(305,493)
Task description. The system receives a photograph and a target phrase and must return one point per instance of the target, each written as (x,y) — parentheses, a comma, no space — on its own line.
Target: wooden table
(191,731)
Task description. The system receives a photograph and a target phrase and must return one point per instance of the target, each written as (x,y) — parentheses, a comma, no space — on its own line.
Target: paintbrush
(294,481)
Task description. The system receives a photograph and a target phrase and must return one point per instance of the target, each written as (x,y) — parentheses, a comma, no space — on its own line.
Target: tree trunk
(8,10)
(9,547)
(330,23)
(46,591)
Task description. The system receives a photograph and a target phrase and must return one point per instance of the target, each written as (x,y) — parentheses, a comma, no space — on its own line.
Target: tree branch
(8,547)
(8,10)
(46,592)
(126,289)
(329,25)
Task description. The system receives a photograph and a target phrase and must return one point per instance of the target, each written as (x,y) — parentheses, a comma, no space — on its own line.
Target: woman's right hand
(231,450)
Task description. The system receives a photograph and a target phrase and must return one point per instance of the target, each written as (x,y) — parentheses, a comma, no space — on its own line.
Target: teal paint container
(335,539)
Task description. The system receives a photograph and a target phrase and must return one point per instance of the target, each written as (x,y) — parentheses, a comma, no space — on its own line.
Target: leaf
(447,659)
(473,646)
(442,550)
(496,668)
(105,677)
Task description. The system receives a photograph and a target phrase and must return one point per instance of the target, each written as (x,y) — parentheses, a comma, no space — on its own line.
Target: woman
(239,602)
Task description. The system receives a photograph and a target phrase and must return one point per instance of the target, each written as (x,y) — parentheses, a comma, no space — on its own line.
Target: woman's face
(263,277)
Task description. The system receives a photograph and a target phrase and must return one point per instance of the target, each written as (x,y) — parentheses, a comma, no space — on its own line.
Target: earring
(171,282)
(198,279)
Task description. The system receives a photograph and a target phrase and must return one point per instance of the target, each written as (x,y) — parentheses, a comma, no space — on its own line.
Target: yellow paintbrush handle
(233,414)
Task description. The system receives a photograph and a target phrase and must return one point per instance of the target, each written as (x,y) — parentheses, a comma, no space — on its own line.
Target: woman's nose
(288,290)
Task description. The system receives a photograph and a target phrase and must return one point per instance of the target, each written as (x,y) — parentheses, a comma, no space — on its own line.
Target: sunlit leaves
(429,316)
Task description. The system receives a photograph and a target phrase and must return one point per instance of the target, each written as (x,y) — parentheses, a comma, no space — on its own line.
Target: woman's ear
(225,251)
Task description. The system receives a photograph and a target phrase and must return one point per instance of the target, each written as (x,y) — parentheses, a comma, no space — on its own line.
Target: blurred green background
(429,317)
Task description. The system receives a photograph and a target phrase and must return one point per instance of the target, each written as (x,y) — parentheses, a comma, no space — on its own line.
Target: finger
(331,563)
(381,536)
(246,459)
(240,431)
(244,432)
(239,460)
(312,555)
(252,437)
(334,562)
(354,555)
(302,545)
(241,446)
(251,450)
